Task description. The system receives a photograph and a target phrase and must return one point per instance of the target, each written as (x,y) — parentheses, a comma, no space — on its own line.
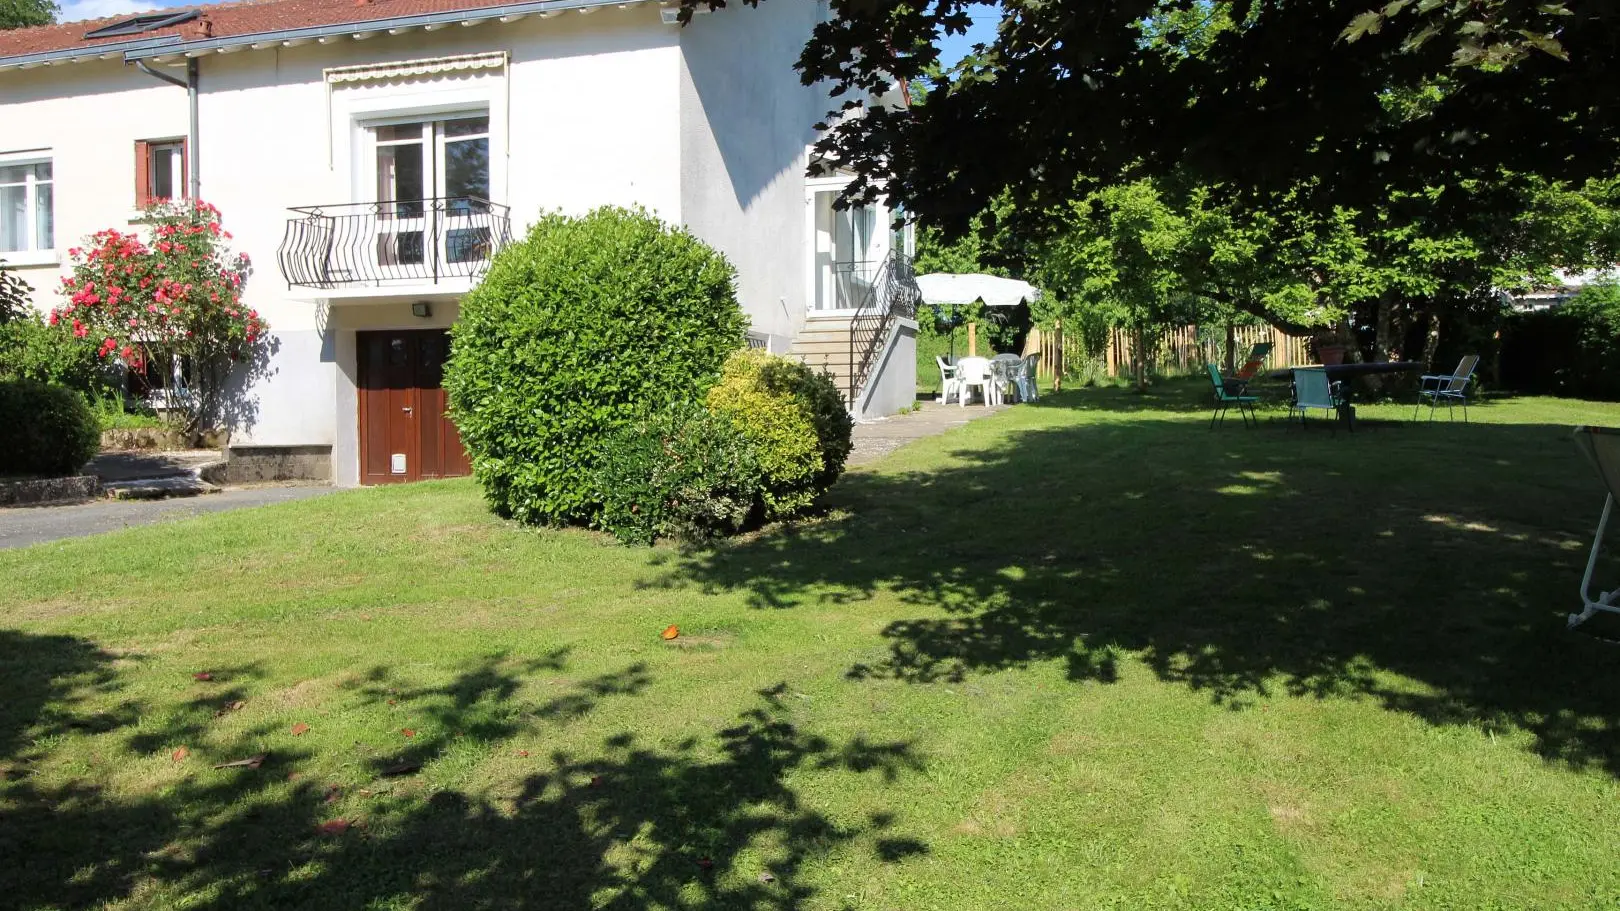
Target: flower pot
(1330,355)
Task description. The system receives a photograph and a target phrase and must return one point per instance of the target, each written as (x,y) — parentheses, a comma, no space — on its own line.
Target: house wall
(706,125)
(88,118)
(746,122)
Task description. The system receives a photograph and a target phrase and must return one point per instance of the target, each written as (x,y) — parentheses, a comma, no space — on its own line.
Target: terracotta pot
(1330,355)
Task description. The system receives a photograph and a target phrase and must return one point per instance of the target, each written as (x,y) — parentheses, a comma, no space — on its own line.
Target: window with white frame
(27,204)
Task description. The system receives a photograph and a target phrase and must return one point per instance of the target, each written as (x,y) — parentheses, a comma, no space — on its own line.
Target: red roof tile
(224,20)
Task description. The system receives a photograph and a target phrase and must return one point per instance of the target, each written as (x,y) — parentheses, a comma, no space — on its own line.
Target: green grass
(1082,654)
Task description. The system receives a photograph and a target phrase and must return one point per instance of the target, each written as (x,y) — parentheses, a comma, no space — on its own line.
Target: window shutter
(184,190)
(143,181)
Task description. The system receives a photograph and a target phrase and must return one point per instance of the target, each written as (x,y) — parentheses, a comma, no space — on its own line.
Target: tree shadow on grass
(711,821)
(1237,564)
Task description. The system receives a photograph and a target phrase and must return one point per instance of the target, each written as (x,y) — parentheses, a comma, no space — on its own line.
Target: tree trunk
(1384,326)
(1231,347)
(1140,354)
(1431,342)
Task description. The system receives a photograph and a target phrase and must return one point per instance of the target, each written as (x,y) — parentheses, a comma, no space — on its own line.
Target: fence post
(1057,355)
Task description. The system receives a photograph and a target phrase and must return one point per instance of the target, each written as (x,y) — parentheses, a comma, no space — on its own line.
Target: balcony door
(431,180)
(849,251)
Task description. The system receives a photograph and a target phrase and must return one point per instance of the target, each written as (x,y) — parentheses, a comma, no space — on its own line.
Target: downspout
(190,85)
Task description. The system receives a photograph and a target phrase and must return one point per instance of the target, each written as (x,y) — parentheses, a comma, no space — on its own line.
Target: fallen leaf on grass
(705,863)
(202,675)
(671,631)
(333,792)
(252,762)
(404,768)
(334,827)
(596,781)
(294,776)
(393,702)
(767,878)
(180,754)
(523,753)
(232,706)
(407,732)
(299,729)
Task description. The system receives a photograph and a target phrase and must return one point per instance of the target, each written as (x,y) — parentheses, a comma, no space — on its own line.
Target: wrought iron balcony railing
(400,242)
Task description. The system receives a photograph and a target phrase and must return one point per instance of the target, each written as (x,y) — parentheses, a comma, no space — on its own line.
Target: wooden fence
(1184,349)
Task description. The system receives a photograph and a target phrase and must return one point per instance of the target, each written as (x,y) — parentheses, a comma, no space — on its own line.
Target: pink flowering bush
(176,294)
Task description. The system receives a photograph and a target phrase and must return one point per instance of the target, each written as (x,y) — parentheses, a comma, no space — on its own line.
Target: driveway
(33,524)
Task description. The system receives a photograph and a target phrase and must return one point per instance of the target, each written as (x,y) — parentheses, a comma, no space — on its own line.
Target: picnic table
(1337,374)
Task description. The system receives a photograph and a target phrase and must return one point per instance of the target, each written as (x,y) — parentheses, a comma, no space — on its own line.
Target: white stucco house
(371,155)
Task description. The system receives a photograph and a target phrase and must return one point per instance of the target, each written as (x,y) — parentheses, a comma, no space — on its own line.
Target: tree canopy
(1254,96)
(24,13)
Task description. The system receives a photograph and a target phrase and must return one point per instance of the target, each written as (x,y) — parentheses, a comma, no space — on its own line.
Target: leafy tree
(1254,96)
(25,13)
(13,295)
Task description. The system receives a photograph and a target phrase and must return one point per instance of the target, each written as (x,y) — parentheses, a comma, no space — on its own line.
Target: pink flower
(54,318)
(79,329)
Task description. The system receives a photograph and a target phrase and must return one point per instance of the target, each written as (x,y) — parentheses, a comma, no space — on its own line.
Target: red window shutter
(184,190)
(143,181)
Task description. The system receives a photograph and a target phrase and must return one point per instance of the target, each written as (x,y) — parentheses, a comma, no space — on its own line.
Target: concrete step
(158,488)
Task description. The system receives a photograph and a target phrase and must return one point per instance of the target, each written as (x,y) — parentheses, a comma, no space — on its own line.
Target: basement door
(405,434)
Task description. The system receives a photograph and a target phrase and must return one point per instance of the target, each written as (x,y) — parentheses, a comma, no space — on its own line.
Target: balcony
(401,245)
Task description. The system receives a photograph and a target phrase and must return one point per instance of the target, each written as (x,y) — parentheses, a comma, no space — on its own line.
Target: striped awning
(403,69)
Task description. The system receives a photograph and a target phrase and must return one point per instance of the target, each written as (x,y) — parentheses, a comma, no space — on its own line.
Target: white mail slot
(396,463)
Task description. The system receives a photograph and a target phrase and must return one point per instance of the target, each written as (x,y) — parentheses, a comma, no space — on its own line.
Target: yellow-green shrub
(795,420)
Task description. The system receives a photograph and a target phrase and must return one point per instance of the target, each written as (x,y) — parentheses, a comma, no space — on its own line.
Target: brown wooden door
(405,434)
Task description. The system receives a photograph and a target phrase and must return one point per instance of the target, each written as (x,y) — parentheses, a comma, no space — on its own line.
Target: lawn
(1082,654)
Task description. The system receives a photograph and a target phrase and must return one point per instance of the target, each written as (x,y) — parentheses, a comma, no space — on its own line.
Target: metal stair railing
(892,294)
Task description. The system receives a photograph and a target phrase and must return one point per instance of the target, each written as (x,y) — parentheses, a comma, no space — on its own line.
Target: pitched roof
(243,19)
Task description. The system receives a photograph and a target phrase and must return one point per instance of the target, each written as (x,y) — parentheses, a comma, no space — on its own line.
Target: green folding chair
(1226,398)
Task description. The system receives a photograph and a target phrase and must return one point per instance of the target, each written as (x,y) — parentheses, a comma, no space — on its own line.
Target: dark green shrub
(686,472)
(576,329)
(1569,350)
(48,430)
(32,350)
(796,420)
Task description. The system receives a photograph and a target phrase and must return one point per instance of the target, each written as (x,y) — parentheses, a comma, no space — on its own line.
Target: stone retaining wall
(48,490)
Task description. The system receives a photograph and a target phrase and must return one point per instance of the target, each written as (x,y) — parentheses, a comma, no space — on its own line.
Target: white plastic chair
(1006,368)
(974,372)
(948,383)
(1449,389)
(1602,447)
(1028,390)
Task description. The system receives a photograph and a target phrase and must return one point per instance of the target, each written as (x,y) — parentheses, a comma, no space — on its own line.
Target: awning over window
(404,69)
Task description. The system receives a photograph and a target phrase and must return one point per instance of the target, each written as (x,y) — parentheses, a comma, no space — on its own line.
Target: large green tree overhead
(1252,95)
(24,13)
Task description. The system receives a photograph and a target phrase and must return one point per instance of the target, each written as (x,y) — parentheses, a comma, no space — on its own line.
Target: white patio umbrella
(951,289)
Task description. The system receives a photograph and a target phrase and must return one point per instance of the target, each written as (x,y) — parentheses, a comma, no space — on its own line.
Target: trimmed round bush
(50,431)
(796,420)
(576,330)
(685,473)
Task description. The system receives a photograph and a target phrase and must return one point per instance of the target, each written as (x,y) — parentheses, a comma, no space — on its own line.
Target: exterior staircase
(857,346)
(823,345)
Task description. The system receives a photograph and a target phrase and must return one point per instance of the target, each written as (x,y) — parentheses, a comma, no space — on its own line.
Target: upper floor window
(160,170)
(436,159)
(27,204)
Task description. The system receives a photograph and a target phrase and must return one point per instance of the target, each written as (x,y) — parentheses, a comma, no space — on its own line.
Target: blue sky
(952,48)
